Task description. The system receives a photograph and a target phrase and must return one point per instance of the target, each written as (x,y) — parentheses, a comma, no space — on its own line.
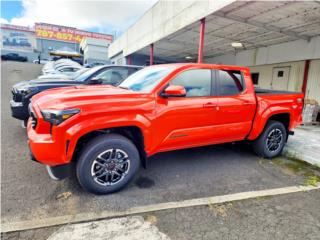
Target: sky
(104,16)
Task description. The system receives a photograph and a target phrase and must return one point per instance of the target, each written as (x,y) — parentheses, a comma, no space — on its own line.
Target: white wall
(295,75)
(284,52)
(95,50)
(119,59)
(313,86)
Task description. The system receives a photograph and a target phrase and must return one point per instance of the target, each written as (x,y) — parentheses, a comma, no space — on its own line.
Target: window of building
(280,73)
(197,82)
(230,82)
(255,78)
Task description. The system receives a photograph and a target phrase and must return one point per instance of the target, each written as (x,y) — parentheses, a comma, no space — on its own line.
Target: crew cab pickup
(108,132)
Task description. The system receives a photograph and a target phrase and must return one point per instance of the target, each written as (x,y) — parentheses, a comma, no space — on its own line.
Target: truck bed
(260,91)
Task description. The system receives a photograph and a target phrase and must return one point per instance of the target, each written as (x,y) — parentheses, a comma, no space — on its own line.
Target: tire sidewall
(271,126)
(93,149)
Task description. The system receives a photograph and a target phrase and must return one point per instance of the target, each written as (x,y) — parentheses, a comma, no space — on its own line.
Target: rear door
(187,121)
(236,106)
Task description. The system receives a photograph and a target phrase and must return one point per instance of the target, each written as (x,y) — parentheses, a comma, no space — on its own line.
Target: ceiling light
(188,57)
(237,45)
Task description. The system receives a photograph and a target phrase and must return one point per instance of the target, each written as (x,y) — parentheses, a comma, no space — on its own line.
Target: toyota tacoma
(107,132)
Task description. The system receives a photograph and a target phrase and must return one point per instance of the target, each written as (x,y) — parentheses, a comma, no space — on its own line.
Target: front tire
(107,164)
(271,141)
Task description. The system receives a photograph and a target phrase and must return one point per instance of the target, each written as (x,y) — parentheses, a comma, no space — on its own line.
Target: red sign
(67,34)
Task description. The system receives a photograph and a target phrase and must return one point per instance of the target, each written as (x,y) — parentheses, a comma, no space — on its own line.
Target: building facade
(44,38)
(95,50)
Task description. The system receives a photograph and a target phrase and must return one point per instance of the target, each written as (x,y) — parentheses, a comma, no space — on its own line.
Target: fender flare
(262,118)
(75,132)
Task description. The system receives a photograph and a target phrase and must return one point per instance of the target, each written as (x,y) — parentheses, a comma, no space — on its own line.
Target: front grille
(16,96)
(33,117)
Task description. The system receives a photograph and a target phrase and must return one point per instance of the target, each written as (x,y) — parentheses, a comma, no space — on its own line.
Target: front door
(280,78)
(187,121)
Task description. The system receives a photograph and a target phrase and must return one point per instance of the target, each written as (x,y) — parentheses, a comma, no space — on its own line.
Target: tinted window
(230,82)
(197,82)
(280,73)
(113,76)
(69,69)
(84,76)
(255,78)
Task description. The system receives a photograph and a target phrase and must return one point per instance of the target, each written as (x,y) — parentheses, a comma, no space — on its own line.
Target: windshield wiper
(123,87)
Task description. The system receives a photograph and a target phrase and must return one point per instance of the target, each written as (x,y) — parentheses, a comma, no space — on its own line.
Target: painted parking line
(86,217)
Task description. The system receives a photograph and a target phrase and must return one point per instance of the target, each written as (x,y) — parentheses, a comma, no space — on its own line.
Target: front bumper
(56,172)
(44,149)
(19,110)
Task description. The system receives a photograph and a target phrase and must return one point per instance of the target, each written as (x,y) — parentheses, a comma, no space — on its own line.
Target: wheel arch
(133,133)
(283,116)
(134,127)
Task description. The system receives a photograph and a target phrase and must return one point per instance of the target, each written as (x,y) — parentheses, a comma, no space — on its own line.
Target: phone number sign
(66,34)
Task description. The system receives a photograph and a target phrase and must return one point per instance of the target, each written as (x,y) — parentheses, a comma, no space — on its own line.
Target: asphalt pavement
(28,193)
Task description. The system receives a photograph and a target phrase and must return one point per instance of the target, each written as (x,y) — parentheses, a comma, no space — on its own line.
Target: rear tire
(271,141)
(107,164)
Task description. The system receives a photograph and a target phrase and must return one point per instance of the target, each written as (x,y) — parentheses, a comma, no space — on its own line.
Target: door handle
(209,105)
(247,103)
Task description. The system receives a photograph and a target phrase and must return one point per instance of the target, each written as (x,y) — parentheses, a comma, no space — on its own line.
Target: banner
(17,38)
(66,34)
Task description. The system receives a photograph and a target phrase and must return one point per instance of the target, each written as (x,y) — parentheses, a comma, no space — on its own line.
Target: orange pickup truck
(108,132)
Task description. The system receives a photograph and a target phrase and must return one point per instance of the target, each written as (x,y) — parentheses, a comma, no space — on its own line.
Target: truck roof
(209,65)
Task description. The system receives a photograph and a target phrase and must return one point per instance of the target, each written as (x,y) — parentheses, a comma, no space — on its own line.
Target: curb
(92,216)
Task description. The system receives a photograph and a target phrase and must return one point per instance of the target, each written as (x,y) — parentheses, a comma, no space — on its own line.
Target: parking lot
(28,193)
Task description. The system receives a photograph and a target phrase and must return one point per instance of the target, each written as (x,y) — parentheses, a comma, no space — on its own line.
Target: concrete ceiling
(255,24)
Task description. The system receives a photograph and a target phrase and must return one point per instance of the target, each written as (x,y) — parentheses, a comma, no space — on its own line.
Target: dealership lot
(173,176)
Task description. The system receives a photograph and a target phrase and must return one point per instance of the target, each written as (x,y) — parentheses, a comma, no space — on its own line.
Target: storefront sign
(62,33)
(17,38)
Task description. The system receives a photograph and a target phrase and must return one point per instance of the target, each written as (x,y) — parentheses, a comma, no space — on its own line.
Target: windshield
(79,72)
(146,79)
(84,76)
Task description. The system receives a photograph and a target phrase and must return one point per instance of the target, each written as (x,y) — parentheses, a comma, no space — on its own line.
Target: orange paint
(167,123)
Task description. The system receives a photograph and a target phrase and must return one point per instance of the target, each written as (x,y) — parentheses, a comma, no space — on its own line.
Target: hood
(53,80)
(54,76)
(44,83)
(82,96)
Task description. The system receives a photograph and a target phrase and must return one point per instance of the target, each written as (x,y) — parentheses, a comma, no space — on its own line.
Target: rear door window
(230,82)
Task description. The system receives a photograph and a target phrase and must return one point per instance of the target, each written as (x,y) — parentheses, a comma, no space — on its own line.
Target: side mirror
(95,81)
(174,91)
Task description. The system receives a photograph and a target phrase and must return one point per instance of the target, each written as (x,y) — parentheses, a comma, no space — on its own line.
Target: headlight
(26,91)
(56,117)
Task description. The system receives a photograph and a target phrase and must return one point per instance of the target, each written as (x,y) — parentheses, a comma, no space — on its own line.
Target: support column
(305,76)
(129,60)
(151,54)
(201,39)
